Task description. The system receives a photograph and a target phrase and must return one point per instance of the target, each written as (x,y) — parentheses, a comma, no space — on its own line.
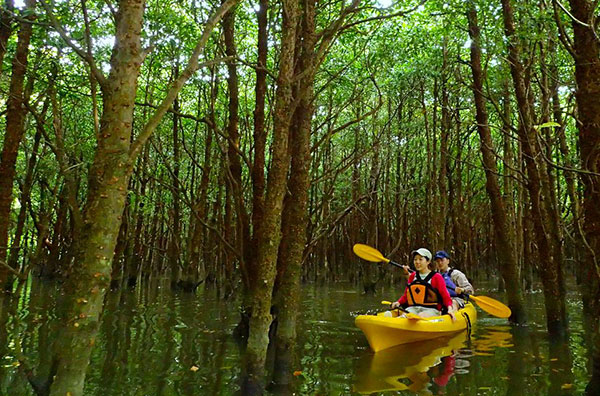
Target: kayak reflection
(406,366)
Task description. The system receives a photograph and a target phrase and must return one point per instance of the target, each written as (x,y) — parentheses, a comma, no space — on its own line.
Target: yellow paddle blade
(368,253)
(386,302)
(491,306)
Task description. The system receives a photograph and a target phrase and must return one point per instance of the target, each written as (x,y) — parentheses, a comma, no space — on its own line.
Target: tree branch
(176,86)
(87,57)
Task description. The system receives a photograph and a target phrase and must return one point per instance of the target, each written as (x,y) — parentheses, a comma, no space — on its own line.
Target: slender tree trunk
(544,218)
(195,269)
(503,238)
(15,129)
(5,28)
(587,74)
(441,234)
(249,272)
(108,181)
(270,232)
(295,210)
(26,193)
(242,226)
(174,252)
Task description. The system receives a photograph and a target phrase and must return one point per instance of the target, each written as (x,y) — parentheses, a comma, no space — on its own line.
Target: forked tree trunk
(295,211)
(269,234)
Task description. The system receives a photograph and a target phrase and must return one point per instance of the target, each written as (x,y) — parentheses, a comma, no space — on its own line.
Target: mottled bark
(295,211)
(269,234)
(107,189)
(15,129)
(503,238)
(108,181)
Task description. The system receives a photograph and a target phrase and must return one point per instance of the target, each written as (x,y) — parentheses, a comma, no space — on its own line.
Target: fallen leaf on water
(566,386)
(554,359)
(504,378)
(194,369)
(297,373)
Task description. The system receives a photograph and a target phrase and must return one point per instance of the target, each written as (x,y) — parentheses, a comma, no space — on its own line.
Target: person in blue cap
(456,282)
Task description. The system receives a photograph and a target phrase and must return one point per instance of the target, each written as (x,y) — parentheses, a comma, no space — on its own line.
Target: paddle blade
(384,302)
(491,306)
(368,253)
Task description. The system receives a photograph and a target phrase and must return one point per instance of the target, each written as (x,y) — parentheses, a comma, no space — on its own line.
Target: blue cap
(441,254)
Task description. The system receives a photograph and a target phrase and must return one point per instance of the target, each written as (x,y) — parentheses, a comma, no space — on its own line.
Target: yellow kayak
(385,332)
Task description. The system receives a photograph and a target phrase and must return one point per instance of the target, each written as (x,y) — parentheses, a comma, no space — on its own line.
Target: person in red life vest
(426,294)
(456,282)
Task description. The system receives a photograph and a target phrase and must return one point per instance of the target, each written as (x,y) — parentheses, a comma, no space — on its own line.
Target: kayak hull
(386,332)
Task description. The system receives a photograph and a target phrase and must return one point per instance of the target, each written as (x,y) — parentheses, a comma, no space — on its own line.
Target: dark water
(154,342)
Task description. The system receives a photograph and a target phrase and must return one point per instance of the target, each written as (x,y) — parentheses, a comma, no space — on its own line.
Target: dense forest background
(247,147)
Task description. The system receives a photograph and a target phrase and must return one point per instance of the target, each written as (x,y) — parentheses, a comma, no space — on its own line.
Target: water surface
(155,342)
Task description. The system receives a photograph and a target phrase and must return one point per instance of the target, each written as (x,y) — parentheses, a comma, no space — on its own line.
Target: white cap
(422,252)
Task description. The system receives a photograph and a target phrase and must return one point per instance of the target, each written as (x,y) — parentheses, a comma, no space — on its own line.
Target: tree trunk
(242,227)
(295,211)
(108,181)
(270,231)
(5,27)
(26,192)
(587,74)
(174,251)
(441,216)
(15,128)
(503,238)
(545,223)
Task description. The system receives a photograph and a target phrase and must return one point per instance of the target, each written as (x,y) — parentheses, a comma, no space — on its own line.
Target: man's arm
(461,281)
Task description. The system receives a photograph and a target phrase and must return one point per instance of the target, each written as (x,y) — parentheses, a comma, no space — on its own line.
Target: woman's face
(420,263)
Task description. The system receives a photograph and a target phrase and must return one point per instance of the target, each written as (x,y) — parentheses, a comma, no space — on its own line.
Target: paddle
(408,315)
(488,304)
(371,254)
